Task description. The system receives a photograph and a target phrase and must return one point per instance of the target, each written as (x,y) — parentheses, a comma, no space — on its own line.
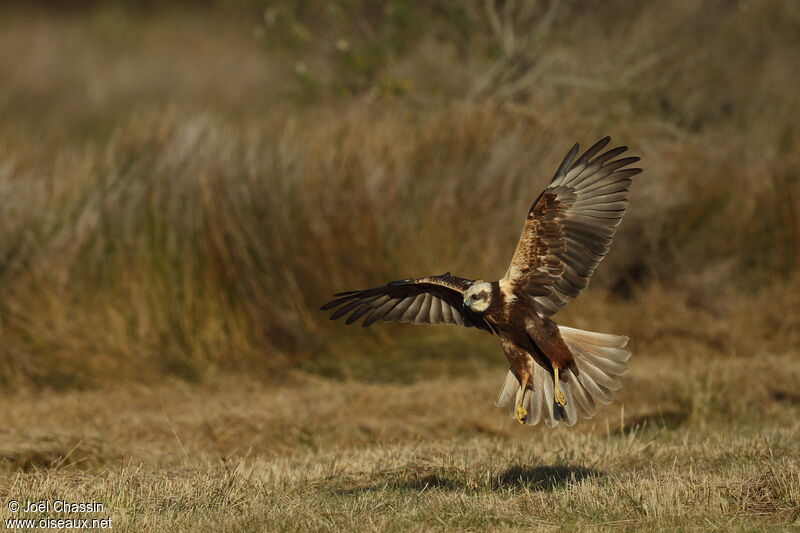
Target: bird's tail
(600,361)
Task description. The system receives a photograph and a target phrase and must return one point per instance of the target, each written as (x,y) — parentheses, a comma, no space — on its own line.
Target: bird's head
(478,297)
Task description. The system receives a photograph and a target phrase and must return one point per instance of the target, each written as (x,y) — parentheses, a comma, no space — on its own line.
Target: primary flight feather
(556,372)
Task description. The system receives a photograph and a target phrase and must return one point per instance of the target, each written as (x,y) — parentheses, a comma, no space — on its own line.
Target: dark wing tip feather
(356,315)
(329,305)
(629,160)
(632,171)
(596,147)
(340,298)
(610,154)
(345,293)
(567,162)
(370,320)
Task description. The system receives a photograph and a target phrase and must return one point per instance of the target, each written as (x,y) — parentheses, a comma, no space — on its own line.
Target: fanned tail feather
(600,361)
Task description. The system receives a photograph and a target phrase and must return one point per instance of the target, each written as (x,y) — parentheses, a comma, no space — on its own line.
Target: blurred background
(183,184)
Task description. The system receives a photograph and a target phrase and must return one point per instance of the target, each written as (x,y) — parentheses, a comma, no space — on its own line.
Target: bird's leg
(522,413)
(559,396)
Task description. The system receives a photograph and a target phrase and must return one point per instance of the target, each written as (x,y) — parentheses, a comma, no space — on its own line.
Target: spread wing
(570,227)
(429,300)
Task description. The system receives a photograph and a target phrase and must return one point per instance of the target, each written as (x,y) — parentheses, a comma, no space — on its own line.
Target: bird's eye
(474,296)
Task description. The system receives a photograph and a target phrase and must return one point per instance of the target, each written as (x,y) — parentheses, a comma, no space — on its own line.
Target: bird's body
(555,372)
(525,335)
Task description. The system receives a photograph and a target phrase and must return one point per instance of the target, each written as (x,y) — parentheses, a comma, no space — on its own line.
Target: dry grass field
(182,186)
(696,447)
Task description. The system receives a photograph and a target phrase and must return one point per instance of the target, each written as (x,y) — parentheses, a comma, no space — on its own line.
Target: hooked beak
(465,304)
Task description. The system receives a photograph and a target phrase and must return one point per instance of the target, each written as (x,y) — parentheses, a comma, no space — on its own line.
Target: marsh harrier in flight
(556,372)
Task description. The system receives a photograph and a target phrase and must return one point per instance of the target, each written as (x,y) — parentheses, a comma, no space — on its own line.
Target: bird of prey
(557,372)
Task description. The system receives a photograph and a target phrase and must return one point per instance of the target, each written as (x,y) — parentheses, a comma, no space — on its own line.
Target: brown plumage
(556,372)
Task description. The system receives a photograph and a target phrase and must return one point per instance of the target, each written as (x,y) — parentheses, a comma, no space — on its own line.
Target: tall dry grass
(166,213)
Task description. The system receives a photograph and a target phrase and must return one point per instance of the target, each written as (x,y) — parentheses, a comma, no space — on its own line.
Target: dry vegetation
(706,446)
(180,190)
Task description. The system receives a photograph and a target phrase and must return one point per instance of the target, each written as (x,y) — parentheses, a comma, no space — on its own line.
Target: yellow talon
(522,413)
(559,396)
(560,399)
